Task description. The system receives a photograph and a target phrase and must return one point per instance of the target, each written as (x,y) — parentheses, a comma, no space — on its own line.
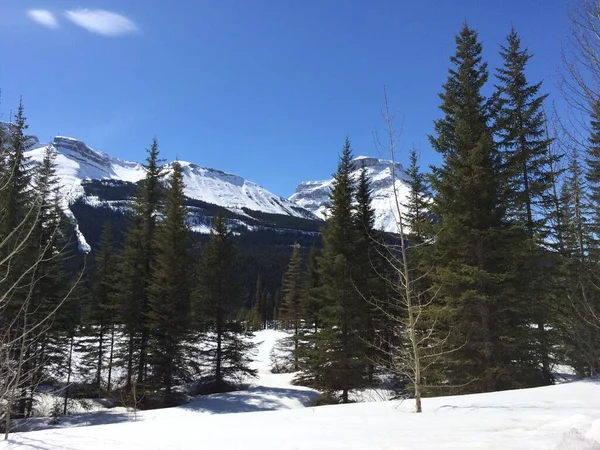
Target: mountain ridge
(77,165)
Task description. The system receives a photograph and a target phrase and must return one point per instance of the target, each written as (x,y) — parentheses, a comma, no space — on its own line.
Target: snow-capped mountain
(77,162)
(78,165)
(314,195)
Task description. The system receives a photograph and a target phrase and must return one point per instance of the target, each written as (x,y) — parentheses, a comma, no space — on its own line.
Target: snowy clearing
(271,415)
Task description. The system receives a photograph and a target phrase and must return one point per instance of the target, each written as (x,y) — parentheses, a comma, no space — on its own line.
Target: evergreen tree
(20,209)
(170,289)
(523,139)
(336,363)
(474,264)
(220,295)
(136,269)
(311,300)
(17,197)
(290,313)
(269,311)
(367,270)
(98,342)
(580,338)
(525,144)
(50,298)
(418,216)
(259,320)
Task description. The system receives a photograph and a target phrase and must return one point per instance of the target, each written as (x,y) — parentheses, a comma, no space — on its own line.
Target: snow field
(271,415)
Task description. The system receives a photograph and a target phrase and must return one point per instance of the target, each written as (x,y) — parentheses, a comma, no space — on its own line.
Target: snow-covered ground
(271,415)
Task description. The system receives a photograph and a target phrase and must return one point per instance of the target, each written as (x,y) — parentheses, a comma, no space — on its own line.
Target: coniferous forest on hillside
(491,283)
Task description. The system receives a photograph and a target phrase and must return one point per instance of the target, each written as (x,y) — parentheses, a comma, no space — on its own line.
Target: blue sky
(266,89)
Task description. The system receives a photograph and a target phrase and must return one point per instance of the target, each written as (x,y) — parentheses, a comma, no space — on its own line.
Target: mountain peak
(314,195)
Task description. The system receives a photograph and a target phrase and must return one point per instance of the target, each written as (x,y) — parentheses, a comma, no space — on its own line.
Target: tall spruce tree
(579,332)
(136,269)
(290,312)
(527,161)
(219,296)
(311,299)
(367,269)
(337,362)
(53,349)
(21,210)
(473,240)
(418,217)
(170,290)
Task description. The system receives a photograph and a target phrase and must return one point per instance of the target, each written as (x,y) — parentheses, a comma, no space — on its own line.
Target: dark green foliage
(311,299)
(580,339)
(418,217)
(474,240)
(136,270)
(50,295)
(290,310)
(99,321)
(524,142)
(170,290)
(520,125)
(337,360)
(219,296)
(37,316)
(367,273)
(29,231)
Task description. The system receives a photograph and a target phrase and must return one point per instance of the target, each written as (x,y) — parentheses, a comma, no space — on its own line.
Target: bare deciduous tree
(410,342)
(580,80)
(21,325)
(580,86)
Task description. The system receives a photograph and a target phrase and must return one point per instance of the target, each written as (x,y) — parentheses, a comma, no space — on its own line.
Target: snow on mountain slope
(234,192)
(314,195)
(77,162)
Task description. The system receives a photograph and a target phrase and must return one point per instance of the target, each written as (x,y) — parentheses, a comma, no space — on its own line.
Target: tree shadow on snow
(23,442)
(255,399)
(74,420)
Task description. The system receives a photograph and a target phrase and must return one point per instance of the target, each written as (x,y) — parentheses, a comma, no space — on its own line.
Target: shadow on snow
(259,398)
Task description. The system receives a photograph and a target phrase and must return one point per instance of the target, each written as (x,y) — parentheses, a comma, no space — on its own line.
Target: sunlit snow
(272,415)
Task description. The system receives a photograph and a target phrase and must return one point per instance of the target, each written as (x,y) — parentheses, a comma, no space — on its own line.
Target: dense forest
(491,281)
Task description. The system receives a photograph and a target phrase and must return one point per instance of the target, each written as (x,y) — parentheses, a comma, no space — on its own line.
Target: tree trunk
(418,390)
(296,329)
(129,362)
(143,353)
(345,395)
(218,376)
(69,364)
(110,357)
(100,355)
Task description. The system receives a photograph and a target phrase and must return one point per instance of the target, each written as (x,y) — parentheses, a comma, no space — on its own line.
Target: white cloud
(43,17)
(102,22)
